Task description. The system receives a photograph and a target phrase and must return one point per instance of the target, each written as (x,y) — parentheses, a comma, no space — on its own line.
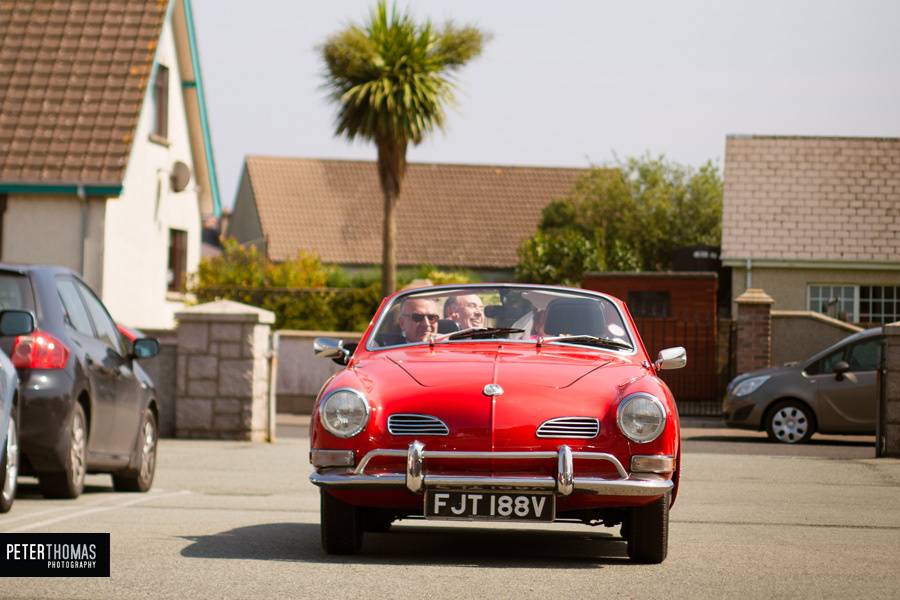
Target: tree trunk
(391,168)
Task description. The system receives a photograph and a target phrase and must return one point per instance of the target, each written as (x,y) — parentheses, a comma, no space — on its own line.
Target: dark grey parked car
(833,391)
(84,404)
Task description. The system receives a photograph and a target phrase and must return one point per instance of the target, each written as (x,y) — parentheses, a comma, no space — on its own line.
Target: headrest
(447,326)
(575,316)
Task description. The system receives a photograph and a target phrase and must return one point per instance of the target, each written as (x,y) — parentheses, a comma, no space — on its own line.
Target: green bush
(302,292)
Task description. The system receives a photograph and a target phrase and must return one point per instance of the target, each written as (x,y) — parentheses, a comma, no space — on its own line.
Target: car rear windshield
(15,292)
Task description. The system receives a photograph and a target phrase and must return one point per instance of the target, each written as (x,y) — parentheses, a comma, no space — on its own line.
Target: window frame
(177,264)
(160,124)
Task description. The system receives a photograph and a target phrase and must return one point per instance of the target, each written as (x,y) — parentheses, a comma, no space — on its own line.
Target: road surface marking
(98,509)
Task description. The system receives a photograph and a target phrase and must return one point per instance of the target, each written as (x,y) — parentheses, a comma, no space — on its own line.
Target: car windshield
(517,313)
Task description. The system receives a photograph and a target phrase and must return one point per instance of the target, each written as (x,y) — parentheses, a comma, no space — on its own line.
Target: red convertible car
(499,403)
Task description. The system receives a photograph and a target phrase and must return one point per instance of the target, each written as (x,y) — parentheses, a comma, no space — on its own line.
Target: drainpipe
(79,191)
(749,273)
(273,385)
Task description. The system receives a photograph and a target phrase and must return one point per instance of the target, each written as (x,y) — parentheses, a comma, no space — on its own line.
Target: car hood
(448,382)
(517,365)
(770,371)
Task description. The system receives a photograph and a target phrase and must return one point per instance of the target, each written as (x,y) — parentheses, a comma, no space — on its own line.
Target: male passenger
(418,319)
(467,311)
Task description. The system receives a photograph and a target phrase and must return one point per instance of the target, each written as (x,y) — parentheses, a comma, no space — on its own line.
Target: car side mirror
(839,369)
(16,322)
(671,358)
(334,349)
(144,348)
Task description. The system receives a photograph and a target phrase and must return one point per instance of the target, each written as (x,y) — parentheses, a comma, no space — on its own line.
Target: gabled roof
(72,80)
(820,199)
(448,215)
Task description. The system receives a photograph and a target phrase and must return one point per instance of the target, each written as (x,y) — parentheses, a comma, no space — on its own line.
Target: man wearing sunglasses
(418,319)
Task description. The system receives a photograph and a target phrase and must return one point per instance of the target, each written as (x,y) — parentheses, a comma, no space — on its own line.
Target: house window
(177,260)
(161,102)
(865,304)
(650,304)
(879,304)
(837,301)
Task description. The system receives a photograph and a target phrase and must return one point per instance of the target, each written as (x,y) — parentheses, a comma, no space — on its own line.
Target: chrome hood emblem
(493,389)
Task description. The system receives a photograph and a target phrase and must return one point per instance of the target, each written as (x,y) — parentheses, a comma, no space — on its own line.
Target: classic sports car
(498,403)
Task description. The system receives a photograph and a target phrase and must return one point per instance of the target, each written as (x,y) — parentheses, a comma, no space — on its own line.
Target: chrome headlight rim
(659,405)
(351,433)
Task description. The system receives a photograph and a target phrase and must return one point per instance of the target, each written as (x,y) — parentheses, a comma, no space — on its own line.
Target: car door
(853,397)
(92,353)
(126,394)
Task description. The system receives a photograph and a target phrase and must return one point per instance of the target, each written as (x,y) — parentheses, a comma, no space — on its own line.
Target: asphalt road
(239,520)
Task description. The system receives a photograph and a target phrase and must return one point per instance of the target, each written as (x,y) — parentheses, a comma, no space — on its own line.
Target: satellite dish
(180,177)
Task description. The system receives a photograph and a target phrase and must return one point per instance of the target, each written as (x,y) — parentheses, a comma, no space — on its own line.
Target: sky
(567,83)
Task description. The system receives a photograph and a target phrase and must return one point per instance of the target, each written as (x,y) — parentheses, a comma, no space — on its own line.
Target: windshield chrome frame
(632,335)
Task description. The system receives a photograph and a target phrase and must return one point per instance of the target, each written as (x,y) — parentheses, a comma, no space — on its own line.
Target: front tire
(141,479)
(9,466)
(69,483)
(790,422)
(340,525)
(647,531)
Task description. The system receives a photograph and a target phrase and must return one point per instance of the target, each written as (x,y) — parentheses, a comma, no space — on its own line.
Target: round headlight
(641,417)
(345,412)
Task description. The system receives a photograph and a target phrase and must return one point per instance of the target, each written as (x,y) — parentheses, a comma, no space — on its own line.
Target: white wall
(48,230)
(138,222)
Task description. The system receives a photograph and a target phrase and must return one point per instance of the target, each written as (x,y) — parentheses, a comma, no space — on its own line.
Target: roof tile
(335,209)
(75,73)
(816,198)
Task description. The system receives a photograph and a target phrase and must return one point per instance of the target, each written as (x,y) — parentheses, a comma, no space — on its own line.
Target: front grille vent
(569,427)
(416,425)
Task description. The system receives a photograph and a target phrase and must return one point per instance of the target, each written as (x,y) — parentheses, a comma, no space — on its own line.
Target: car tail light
(40,350)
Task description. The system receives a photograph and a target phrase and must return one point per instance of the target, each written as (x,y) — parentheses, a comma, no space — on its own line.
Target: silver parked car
(833,391)
(12,322)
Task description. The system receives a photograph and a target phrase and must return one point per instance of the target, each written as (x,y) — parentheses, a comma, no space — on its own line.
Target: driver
(418,319)
(467,310)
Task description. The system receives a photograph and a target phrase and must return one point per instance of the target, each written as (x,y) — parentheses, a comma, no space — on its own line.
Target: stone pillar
(222,371)
(754,330)
(888,441)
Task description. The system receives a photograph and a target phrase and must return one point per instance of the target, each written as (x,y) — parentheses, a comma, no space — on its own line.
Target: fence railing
(698,387)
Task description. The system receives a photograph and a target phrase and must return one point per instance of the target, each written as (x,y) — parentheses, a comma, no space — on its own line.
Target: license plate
(478,505)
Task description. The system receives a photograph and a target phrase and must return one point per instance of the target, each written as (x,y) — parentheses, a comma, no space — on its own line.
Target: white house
(106,163)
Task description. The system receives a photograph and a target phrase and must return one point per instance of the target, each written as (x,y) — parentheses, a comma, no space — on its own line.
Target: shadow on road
(416,545)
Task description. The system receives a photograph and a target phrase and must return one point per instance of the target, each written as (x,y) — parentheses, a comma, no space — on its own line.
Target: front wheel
(141,479)
(9,466)
(70,482)
(790,422)
(340,525)
(647,531)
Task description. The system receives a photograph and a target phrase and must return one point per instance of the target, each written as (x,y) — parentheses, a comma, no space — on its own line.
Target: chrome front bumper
(416,479)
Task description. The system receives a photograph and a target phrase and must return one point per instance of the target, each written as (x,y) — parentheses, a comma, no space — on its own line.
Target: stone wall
(300,373)
(223,372)
(888,443)
(162,370)
(798,334)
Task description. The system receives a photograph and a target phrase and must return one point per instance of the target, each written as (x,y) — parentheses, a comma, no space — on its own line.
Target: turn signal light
(40,350)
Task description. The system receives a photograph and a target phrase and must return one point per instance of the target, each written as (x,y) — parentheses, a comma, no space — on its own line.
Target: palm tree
(391,79)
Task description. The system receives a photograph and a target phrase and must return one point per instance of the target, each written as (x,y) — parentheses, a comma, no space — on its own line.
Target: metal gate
(698,387)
